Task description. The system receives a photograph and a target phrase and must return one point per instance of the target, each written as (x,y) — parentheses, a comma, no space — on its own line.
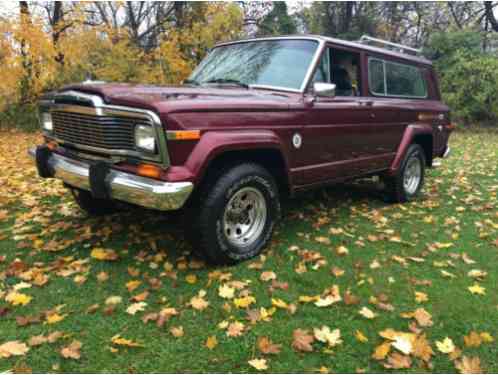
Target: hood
(169,99)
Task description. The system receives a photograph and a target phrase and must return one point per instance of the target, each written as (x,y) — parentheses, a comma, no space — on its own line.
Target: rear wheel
(237,214)
(93,206)
(409,179)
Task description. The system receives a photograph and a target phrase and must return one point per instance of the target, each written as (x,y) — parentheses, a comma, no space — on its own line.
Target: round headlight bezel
(145,138)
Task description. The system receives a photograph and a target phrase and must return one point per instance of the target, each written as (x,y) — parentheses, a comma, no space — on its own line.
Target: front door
(340,136)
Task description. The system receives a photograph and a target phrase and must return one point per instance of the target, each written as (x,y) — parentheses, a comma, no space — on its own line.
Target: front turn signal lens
(184,135)
(148,170)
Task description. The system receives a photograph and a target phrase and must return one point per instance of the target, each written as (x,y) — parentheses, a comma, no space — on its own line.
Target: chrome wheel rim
(412,175)
(244,217)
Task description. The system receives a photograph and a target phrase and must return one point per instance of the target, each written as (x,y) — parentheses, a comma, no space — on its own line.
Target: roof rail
(365,39)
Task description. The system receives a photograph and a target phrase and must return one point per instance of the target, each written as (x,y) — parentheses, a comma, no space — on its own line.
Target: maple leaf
(100,253)
(486,337)
(113,300)
(258,363)
(266,346)
(446,346)
(132,285)
(72,351)
(118,340)
(342,250)
(277,302)
(367,313)
(477,289)
(360,336)
(37,340)
(13,348)
(403,342)
(16,298)
(422,349)
(54,318)
(477,274)
(177,331)
(421,297)
(235,329)
(382,351)
(198,303)
(136,307)
(267,276)
(398,361)
(191,278)
(244,302)
(211,342)
(225,291)
(325,335)
(302,340)
(473,340)
(469,365)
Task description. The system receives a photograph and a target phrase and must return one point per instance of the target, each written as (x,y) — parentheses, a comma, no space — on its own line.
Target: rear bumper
(142,191)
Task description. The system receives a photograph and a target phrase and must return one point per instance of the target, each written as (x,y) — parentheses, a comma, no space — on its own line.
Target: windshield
(278,63)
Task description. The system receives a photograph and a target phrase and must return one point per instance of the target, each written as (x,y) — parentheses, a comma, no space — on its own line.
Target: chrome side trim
(99,108)
(142,191)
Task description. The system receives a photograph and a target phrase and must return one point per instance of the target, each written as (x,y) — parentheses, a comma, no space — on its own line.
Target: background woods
(44,45)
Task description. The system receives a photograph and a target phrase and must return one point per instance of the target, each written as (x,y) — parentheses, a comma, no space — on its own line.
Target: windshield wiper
(229,81)
(191,82)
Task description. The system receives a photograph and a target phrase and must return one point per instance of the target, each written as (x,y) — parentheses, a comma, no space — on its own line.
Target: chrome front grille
(103,132)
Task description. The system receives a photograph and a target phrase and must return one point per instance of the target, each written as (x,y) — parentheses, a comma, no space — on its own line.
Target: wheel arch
(269,158)
(420,134)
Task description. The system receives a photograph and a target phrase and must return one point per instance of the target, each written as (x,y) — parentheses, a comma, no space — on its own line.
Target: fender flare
(411,131)
(214,143)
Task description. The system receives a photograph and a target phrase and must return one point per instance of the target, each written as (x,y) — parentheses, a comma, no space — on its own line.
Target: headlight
(145,138)
(46,121)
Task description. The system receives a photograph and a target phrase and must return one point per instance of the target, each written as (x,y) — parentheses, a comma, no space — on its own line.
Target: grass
(457,210)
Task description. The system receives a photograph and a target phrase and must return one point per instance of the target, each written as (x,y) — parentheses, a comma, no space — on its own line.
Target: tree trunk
(493,22)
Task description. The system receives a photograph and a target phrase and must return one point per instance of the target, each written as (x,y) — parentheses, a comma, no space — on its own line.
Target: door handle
(365,103)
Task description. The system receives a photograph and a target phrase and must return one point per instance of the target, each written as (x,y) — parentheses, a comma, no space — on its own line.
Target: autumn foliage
(36,57)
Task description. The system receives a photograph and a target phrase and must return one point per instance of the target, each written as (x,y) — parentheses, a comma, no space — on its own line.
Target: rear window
(386,78)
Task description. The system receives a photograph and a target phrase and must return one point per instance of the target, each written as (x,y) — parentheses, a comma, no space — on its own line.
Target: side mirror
(324,89)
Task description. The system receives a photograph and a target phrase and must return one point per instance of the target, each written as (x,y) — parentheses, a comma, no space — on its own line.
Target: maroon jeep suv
(256,119)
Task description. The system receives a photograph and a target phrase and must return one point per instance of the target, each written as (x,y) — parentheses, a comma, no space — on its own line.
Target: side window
(322,73)
(376,77)
(341,68)
(393,79)
(405,80)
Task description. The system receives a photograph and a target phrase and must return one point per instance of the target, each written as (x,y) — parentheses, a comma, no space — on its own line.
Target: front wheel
(409,179)
(237,214)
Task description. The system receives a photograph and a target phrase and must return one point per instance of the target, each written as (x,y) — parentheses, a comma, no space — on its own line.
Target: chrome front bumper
(122,186)
(447,152)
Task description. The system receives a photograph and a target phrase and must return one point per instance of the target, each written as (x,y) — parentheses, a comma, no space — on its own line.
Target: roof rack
(365,39)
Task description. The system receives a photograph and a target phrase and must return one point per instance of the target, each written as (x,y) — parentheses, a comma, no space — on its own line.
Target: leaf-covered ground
(349,283)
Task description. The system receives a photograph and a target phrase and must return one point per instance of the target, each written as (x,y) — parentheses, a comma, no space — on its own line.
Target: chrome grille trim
(104,117)
(111,133)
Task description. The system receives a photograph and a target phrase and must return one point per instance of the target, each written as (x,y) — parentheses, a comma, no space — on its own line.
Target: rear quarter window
(387,78)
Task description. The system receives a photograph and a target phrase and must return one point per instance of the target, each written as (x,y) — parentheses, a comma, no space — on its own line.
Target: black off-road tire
(395,186)
(208,230)
(93,206)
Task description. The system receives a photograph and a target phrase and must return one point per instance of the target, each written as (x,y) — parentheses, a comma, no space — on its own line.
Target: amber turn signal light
(184,135)
(451,126)
(51,146)
(148,170)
